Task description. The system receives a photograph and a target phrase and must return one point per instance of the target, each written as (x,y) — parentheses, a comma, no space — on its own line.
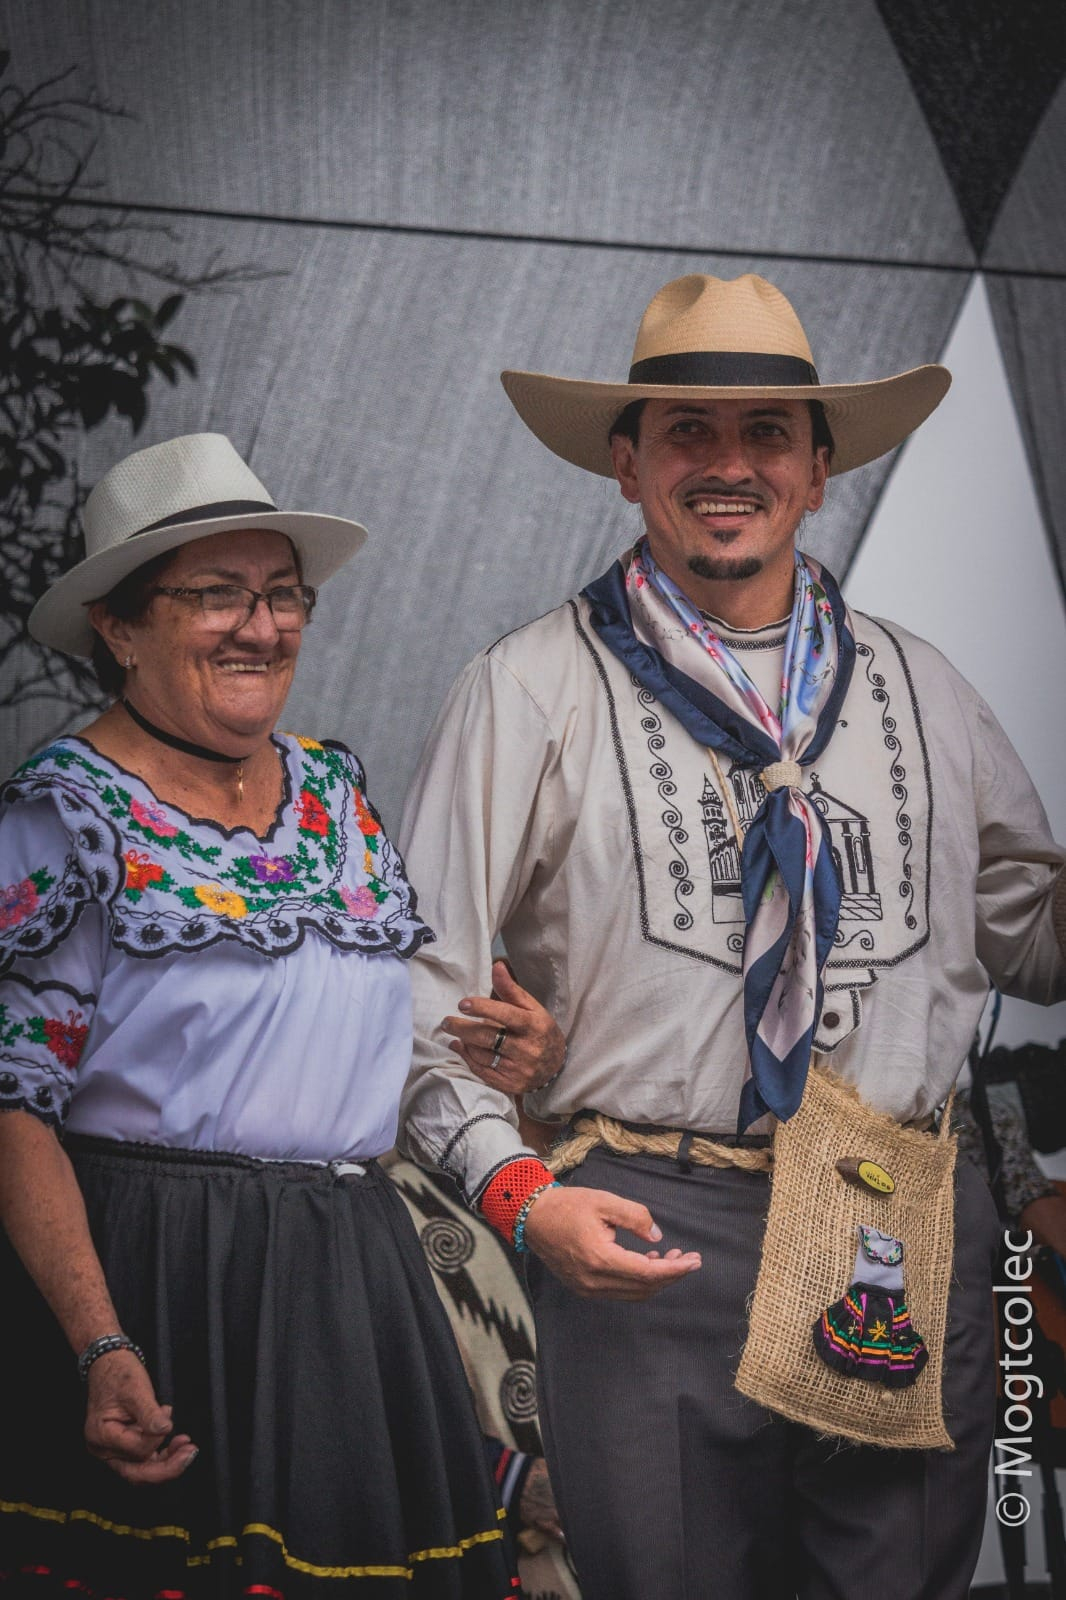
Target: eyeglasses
(224,606)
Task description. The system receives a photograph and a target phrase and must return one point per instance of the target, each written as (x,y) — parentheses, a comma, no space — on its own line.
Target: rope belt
(593,1129)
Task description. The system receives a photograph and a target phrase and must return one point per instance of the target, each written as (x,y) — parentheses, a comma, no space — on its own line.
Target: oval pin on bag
(867,1175)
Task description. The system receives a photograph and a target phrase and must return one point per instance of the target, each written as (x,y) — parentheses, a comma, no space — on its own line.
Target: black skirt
(286,1313)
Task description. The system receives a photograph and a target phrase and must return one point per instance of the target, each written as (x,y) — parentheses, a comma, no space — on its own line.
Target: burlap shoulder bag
(808,1257)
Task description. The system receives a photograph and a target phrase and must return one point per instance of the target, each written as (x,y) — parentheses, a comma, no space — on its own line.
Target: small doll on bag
(867,1333)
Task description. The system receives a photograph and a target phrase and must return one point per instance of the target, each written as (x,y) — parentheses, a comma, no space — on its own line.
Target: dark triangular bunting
(1030,321)
(984,72)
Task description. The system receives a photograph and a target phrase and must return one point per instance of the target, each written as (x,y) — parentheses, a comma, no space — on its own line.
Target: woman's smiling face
(223,690)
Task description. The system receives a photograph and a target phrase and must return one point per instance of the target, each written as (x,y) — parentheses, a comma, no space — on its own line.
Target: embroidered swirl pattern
(663,774)
(898,773)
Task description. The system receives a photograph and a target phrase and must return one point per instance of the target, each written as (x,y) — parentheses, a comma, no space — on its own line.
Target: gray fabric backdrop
(443,189)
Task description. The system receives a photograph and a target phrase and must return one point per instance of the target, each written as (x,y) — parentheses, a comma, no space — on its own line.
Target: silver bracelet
(103,1347)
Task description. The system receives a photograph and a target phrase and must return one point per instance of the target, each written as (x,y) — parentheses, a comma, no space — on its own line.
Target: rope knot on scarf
(781,775)
(789,884)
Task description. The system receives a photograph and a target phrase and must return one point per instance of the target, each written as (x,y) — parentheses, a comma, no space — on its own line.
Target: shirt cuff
(478,1149)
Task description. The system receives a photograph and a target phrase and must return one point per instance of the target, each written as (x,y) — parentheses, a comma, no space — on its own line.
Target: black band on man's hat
(731,368)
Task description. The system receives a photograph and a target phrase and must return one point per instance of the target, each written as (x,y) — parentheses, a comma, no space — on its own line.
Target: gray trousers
(672,1486)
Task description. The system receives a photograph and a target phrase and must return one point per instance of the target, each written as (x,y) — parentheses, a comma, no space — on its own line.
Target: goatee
(724,569)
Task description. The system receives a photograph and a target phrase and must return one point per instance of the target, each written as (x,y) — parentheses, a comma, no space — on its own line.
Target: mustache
(715,489)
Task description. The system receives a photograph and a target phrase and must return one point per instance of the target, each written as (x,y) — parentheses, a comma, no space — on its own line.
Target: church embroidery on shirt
(849,842)
(685,847)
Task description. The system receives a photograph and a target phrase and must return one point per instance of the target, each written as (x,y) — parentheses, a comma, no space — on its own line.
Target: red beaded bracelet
(509,1189)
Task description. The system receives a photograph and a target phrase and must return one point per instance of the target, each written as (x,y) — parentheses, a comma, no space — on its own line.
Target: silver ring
(495,1062)
(498,1042)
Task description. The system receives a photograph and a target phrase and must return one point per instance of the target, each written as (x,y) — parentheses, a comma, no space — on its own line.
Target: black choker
(184,745)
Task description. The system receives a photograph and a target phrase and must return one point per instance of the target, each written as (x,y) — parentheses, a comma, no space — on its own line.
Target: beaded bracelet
(103,1346)
(505,1193)
(518,1238)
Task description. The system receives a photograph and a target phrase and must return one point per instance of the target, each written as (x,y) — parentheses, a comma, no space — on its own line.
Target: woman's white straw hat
(705,338)
(166,496)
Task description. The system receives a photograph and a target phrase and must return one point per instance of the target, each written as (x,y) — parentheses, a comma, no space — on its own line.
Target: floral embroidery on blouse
(64,1037)
(171,882)
(40,911)
(142,871)
(224,901)
(272,869)
(19,900)
(362,902)
(314,818)
(42,1036)
(153,819)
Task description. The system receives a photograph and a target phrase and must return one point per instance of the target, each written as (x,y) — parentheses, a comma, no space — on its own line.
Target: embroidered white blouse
(168,981)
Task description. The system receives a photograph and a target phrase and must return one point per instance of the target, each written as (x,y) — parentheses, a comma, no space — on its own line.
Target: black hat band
(726,368)
(220,508)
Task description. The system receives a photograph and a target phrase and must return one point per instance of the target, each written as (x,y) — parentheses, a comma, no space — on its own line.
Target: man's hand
(127,1427)
(573,1233)
(532,1048)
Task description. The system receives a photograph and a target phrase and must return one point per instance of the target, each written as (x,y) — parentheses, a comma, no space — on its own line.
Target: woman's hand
(531,1049)
(42,1210)
(127,1427)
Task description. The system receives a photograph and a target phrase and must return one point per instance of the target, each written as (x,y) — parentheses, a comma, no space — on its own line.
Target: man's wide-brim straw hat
(166,496)
(705,338)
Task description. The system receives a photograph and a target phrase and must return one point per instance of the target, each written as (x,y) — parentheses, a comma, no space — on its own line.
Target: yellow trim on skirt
(230,1541)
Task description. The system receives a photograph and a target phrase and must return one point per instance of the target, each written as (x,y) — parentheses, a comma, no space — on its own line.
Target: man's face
(723,485)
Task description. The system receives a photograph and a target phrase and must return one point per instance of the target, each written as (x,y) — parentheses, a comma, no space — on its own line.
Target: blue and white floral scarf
(789,884)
